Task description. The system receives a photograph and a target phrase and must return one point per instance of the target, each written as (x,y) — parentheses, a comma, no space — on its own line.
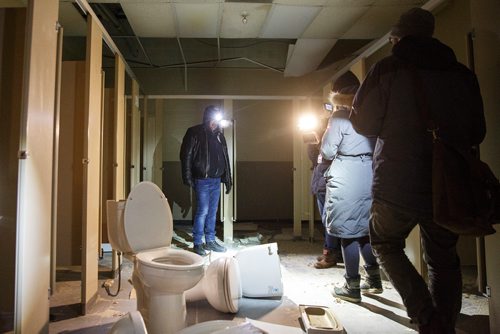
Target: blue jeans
(207,202)
(331,242)
(389,227)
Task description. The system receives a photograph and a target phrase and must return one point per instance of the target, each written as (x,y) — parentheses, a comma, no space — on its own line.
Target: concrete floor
(303,284)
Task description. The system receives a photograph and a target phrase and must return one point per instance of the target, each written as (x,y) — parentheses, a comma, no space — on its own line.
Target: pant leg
(445,277)
(350,252)
(389,227)
(365,248)
(213,205)
(202,192)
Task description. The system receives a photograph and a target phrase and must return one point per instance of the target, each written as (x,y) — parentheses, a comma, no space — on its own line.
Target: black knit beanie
(415,22)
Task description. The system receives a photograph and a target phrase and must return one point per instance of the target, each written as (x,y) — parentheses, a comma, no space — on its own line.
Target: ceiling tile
(232,25)
(376,22)
(301,2)
(151,20)
(73,23)
(306,55)
(197,20)
(334,22)
(278,21)
(349,3)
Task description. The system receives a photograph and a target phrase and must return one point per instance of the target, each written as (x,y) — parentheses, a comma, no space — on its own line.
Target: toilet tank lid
(147,218)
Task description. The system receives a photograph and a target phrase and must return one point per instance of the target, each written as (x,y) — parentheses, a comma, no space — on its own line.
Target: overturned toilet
(253,272)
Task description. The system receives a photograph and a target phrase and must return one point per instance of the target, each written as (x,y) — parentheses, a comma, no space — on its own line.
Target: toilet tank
(116,230)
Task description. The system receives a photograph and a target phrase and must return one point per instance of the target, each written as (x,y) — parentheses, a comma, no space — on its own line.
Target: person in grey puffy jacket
(332,253)
(348,191)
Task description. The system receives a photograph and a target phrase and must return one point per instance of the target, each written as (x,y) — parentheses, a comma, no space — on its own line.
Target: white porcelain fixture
(130,323)
(220,285)
(260,271)
(254,271)
(141,228)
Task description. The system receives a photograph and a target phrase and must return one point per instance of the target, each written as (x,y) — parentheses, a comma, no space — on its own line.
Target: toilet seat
(147,200)
(169,258)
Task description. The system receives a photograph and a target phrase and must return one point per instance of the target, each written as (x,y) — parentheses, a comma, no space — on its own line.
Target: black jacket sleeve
(186,157)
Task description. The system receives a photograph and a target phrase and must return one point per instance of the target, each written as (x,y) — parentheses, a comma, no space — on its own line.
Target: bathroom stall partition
(28,46)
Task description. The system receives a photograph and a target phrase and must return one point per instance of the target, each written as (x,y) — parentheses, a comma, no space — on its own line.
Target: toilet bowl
(141,228)
(251,272)
(130,323)
(220,286)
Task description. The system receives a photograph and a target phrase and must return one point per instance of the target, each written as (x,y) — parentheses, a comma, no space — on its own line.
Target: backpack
(465,192)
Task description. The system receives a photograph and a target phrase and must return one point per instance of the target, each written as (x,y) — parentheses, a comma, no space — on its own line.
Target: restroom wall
(484,17)
(12,37)
(264,132)
(108,154)
(264,155)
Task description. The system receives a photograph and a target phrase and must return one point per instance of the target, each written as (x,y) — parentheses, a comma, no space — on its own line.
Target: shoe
(328,259)
(373,283)
(198,249)
(350,291)
(215,247)
(435,326)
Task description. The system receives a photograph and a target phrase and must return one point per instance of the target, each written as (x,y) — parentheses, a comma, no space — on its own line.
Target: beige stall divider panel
(148,138)
(136,136)
(91,165)
(228,200)
(35,170)
(158,150)
(297,174)
(119,170)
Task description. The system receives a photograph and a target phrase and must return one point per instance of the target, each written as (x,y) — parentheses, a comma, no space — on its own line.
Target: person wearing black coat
(388,107)
(205,165)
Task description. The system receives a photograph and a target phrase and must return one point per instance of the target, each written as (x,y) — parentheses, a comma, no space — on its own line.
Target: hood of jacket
(425,53)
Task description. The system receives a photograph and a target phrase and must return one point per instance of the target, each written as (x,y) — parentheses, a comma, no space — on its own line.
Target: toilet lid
(147,218)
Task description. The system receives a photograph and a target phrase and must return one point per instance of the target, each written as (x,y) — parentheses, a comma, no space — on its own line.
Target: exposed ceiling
(295,37)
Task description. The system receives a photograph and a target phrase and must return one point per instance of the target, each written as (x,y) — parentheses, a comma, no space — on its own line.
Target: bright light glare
(308,122)
(224,123)
(218,117)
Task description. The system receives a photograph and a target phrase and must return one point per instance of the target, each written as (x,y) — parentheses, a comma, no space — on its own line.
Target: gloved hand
(228,187)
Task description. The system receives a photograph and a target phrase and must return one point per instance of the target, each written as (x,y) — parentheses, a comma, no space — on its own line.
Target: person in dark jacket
(348,197)
(332,254)
(205,164)
(388,107)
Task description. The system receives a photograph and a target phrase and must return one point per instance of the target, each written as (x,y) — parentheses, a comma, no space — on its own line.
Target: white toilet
(141,228)
(252,272)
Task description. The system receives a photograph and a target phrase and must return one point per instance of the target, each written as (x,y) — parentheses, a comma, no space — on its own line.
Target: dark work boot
(373,283)
(214,246)
(350,291)
(434,326)
(198,249)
